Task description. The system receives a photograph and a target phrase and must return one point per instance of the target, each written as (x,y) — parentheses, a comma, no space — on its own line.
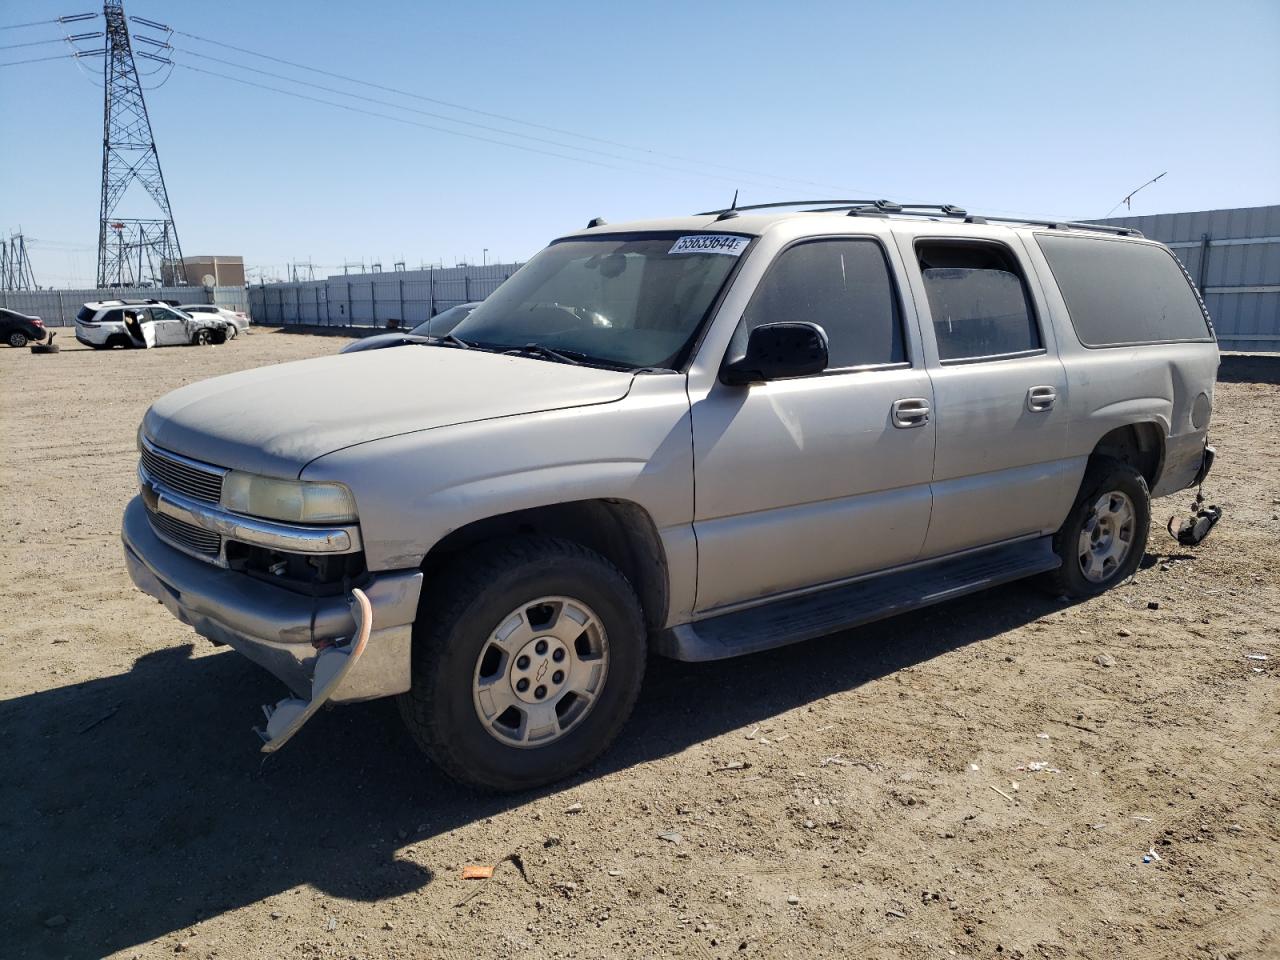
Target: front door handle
(910,412)
(1040,399)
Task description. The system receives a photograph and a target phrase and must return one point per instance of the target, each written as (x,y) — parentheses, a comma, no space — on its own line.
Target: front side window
(978,300)
(633,301)
(1120,292)
(843,286)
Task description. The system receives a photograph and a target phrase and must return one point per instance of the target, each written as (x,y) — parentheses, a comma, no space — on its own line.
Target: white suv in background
(239,321)
(106,323)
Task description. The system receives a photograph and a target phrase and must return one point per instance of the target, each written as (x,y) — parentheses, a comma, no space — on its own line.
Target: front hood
(275,420)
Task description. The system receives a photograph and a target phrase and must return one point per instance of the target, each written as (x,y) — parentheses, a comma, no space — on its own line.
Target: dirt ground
(867,795)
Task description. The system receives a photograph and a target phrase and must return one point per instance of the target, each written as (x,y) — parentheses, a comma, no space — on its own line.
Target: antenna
(732,211)
(1128,198)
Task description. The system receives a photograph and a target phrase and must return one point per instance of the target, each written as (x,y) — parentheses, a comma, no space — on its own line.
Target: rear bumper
(277,628)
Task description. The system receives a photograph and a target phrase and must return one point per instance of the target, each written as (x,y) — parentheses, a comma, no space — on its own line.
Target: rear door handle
(1040,399)
(910,412)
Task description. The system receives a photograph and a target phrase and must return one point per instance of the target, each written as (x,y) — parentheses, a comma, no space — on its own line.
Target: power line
(60,56)
(457,133)
(468,123)
(32,43)
(70,18)
(387,116)
(33,23)
(509,119)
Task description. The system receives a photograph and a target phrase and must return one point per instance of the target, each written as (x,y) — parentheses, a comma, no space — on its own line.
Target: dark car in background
(440,325)
(18,329)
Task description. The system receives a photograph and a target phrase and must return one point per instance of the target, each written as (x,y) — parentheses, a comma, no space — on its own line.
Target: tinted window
(84,314)
(113,316)
(978,301)
(1120,292)
(844,286)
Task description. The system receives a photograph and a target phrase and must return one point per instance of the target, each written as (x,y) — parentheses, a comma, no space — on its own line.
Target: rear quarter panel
(1110,387)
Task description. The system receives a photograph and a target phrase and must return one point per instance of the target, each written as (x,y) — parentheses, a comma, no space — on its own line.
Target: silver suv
(700,437)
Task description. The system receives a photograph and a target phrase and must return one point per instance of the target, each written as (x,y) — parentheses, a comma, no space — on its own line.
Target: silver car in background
(441,325)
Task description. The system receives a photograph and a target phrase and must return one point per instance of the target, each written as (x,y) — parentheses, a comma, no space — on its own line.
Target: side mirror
(776,351)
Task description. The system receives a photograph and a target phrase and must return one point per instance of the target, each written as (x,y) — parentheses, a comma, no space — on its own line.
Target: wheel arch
(622,531)
(1141,445)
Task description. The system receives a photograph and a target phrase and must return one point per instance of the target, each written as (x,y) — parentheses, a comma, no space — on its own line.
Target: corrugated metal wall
(57,308)
(373,299)
(1234,258)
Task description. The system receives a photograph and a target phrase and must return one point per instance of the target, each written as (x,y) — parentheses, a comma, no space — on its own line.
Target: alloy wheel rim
(540,672)
(1106,538)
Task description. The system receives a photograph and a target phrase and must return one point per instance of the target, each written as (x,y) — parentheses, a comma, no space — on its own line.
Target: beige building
(226,271)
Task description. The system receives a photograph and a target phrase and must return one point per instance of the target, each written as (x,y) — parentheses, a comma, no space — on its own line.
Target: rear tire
(494,596)
(1105,534)
(17,339)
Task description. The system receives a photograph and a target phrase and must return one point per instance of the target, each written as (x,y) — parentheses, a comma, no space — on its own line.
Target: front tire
(1105,534)
(527,660)
(202,337)
(17,339)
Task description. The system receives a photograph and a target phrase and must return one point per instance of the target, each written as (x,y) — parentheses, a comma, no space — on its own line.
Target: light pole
(484,258)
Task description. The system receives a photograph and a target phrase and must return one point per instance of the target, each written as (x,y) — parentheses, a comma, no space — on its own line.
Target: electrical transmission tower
(131,251)
(15,265)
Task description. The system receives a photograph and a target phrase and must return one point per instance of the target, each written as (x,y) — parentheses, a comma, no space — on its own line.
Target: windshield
(633,301)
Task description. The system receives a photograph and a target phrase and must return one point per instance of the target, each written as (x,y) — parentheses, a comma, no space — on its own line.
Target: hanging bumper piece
(332,666)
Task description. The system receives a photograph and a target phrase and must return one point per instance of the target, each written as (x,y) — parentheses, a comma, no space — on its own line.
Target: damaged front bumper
(278,629)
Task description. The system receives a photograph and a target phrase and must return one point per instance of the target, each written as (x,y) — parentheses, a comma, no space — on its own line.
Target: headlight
(297,500)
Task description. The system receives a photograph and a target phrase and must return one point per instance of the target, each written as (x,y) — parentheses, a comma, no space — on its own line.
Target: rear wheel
(17,339)
(1105,534)
(527,661)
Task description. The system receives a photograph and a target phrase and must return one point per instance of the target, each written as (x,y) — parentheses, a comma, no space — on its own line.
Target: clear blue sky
(1050,108)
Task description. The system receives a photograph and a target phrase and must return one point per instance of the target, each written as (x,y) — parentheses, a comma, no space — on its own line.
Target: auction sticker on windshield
(711,243)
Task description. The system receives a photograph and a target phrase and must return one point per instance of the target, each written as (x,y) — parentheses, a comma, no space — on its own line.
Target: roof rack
(886,208)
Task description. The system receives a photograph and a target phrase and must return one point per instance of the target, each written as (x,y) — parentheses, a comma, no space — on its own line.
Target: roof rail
(885,208)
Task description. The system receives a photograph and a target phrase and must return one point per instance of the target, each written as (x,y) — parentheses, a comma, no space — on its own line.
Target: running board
(796,619)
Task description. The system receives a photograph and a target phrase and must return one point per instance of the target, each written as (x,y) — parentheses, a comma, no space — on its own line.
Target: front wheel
(1105,534)
(203,337)
(17,339)
(527,660)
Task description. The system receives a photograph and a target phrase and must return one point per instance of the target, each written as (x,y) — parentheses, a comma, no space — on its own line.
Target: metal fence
(1234,258)
(57,308)
(374,299)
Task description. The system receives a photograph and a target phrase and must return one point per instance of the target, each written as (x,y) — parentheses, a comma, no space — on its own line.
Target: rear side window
(844,286)
(1119,292)
(978,300)
(84,314)
(113,316)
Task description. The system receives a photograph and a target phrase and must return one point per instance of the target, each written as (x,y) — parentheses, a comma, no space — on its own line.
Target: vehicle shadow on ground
(136,805)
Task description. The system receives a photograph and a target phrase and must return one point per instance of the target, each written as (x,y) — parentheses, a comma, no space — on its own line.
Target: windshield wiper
(572,356)
(453,341)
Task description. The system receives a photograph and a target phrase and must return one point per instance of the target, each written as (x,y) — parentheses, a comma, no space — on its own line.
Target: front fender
(413,490)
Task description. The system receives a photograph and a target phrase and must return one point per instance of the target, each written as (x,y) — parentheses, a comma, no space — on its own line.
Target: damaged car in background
(106,324)
(698,437)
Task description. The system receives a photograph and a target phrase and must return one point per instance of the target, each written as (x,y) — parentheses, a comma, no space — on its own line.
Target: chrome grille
(187,535)
(182,476)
